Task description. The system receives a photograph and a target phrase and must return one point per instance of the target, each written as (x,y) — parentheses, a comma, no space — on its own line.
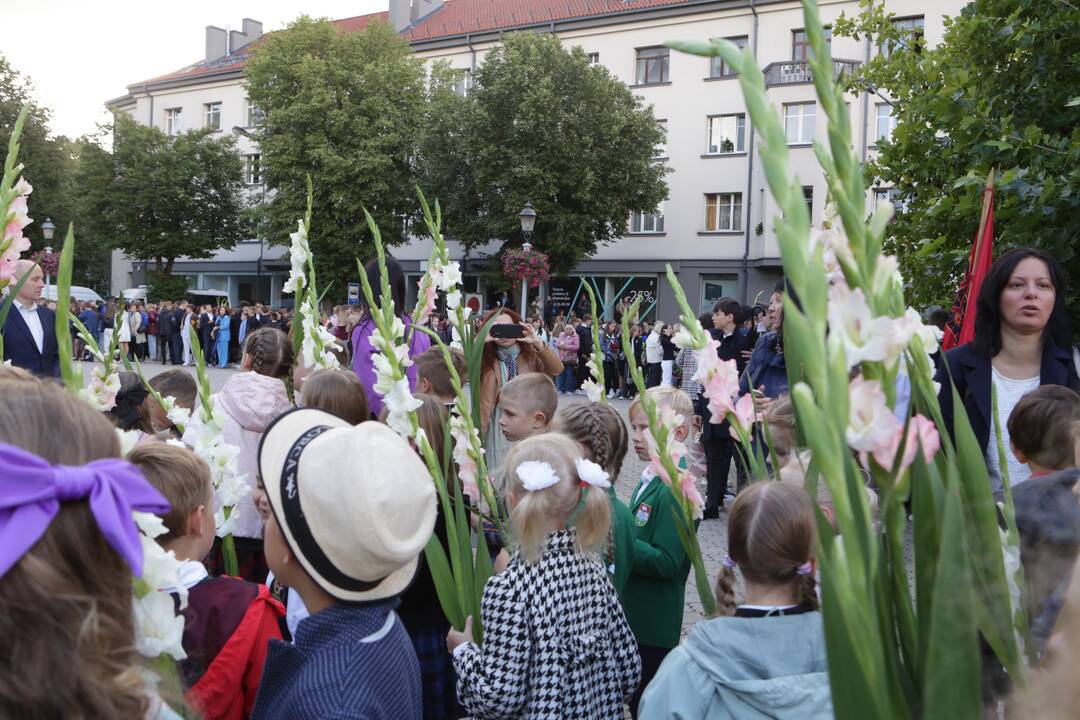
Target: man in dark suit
(30,329)
(206,326)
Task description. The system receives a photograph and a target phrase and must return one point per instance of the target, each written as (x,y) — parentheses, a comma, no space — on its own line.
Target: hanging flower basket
(532,266)
(49,262)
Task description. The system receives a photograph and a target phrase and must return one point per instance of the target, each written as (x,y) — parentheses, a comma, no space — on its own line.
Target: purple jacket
(365,369)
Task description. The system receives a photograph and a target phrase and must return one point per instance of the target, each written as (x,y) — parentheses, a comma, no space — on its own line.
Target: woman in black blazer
(1022,341)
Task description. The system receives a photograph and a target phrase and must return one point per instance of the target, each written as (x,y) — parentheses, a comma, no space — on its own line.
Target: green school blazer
(624,537)
(656,591)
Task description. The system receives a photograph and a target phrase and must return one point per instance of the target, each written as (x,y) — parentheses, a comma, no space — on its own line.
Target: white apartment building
(715,228)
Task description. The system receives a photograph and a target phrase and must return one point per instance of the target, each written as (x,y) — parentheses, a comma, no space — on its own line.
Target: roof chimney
(217,43)
(422,8)
(252,32)
(400,11)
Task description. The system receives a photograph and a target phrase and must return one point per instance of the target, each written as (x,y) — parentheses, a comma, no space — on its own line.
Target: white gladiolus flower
(225,527)
(158,629)
(865,337)
(149,524)
(453,299)
(450,277)
(128,440)
(886,271)
(684,338)
(593,391)
(160,566)
(871,423)
(298,255)
(399,402)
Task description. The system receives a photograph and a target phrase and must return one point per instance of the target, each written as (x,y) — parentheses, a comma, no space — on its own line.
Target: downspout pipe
(744,279)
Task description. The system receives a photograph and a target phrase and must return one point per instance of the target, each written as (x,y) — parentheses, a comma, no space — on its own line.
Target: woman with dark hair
(1022,341)
(361,335)
(503,360)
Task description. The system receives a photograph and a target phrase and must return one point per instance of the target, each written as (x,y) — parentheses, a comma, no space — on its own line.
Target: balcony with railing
(795,72)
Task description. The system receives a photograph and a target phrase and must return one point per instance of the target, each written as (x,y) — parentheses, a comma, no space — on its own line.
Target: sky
(80,53)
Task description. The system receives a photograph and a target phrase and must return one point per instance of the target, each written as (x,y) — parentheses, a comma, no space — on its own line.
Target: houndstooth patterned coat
(556,642)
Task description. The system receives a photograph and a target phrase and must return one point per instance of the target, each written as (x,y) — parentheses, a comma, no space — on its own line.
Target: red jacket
(228,626)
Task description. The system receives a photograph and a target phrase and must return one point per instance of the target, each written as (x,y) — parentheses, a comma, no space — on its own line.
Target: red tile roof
(456,17)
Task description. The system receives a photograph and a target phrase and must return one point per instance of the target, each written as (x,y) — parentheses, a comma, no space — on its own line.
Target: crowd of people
(335,612)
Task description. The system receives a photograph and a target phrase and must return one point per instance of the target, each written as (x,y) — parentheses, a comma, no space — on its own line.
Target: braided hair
(771,535)
(603,434)
(271,352)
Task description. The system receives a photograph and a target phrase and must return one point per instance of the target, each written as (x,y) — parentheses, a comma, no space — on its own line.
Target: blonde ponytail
(725,592)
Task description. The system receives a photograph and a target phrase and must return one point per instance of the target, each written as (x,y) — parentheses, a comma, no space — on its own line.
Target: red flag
(961,329)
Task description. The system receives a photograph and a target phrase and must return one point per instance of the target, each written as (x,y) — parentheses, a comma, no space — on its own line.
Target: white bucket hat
(356,505)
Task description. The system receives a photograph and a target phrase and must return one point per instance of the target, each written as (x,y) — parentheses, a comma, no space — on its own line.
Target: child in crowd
(420,611)
(433,377)
(339,392)
(527,405)
(228,622)
(135,409)
(600,430)
(352,509)
(656,591)
(181,387)
(251,400)
(556,642)
(765,657)
(1041,430)
(66,563)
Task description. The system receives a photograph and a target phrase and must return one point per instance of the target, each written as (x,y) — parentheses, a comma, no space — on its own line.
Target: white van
(82,294)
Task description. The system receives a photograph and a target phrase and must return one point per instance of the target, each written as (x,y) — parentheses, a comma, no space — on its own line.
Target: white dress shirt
(33,321)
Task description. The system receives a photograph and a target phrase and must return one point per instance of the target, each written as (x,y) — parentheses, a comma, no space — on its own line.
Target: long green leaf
(951,680)
(72,376)
(435,556)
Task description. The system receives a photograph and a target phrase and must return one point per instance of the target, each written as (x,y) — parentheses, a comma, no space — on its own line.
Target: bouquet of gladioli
(104,378)
(459,579)
(890,655)
(594,386)
(311,340)
(204,433)
(13,193)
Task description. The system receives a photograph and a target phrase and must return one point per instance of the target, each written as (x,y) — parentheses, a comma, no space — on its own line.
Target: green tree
(1000,91)
(48,161)
(158,197)
(344,108)
(93,176)
(540,125)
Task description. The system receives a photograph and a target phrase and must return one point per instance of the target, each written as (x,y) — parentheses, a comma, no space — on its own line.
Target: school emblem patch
(641,517)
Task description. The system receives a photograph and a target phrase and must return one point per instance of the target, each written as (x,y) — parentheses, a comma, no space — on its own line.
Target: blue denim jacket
(767,368)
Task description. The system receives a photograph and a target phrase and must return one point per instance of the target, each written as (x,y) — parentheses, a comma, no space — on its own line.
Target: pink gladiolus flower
(743,415)
(429,301)
(720,388)
(921,432)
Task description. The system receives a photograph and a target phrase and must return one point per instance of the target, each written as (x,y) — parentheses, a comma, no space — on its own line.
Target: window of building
(253,169)
(892,195)
(723,212)
(174,121)
(886,122)
(463,84)
(255,115)
(799,122)
(912,28)
(652,65)
(660,149)
(718,67)
(800,44)
(716,287)
(594,59)
(647,222)
(808,196)
(213,115)
(727,134)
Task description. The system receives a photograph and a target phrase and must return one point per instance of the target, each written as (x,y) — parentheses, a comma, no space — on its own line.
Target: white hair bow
(536,475)
(591,473)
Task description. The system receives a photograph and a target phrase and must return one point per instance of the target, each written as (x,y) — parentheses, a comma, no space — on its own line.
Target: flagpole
(988,202)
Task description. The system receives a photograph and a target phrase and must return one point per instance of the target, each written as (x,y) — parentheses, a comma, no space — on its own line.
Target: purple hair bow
(31,491)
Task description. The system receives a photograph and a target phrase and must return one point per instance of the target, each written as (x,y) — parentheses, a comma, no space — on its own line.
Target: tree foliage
(159,197)
(344,108)
(540,125)
(1000,91)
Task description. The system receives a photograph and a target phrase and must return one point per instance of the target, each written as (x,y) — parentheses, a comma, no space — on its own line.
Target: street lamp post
(47,230)
(528,222)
